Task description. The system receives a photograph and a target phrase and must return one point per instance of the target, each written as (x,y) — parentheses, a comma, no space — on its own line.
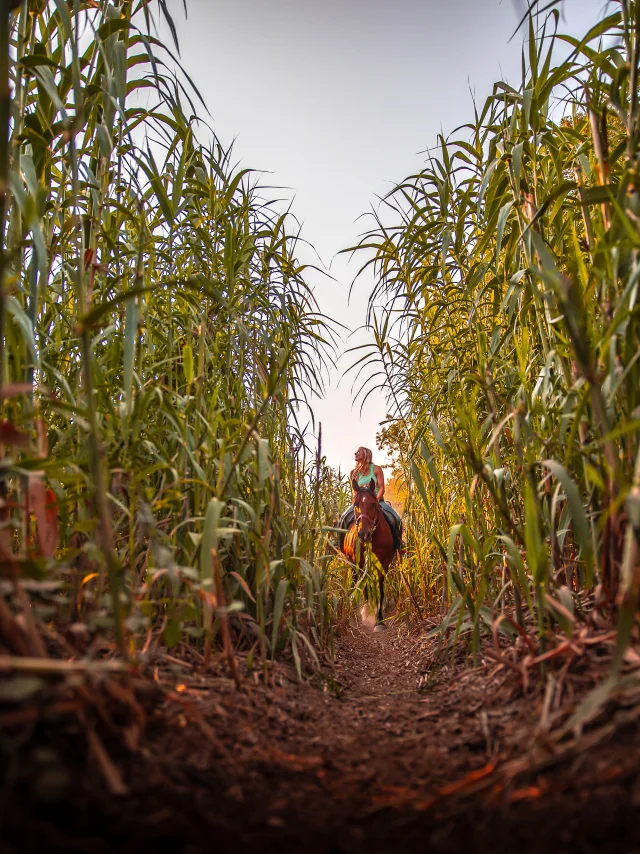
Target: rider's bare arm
(380,481)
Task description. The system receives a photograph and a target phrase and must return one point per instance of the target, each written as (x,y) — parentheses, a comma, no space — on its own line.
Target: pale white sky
(336,99)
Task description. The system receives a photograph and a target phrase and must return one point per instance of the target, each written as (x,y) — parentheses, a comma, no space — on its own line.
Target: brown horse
(370,526)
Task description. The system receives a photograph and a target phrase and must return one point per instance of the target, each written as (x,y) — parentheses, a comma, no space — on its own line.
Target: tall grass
(507,329)
(158,342)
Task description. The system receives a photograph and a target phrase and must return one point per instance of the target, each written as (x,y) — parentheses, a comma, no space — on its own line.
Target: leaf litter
(382,752)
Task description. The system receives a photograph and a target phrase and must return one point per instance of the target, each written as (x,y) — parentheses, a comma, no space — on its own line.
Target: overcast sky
(336,99)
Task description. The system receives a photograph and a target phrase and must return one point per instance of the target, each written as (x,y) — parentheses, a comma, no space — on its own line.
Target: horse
(370,527)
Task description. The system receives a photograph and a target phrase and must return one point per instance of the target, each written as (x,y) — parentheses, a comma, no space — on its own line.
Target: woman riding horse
(369,524)
(364,472)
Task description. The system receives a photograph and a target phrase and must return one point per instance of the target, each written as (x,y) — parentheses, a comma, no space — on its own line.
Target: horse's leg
(363,574)
(381,602)
(366,613)
(362,561)
(380,626)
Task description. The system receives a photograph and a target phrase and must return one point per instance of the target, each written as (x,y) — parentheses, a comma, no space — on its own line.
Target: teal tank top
(364,479)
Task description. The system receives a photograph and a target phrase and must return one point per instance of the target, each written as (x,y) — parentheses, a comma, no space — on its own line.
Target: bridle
(374,523)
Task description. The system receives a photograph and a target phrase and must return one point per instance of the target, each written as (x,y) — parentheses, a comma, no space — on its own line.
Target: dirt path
(372,758)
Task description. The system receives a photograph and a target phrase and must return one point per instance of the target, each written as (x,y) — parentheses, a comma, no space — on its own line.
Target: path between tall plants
(383,752)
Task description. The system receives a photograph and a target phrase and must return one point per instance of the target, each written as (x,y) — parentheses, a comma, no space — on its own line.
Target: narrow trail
(371,758)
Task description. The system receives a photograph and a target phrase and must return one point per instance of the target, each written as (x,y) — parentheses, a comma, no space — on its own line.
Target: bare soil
(382,753)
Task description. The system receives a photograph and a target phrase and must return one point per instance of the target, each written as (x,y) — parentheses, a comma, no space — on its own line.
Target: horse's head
(367,510)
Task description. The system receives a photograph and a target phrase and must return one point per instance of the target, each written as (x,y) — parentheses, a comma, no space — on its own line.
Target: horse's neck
(382,519)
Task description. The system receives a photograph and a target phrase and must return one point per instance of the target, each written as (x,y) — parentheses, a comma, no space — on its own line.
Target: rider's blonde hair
(364,466)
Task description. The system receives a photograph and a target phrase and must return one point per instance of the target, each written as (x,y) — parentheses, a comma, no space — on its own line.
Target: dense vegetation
(166,511)
(158,348)
(507,333)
